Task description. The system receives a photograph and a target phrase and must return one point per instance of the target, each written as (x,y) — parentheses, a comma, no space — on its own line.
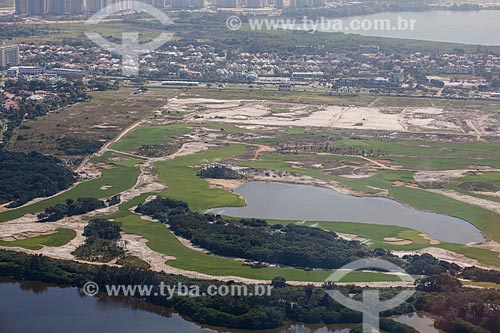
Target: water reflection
(40,307)
(283,201)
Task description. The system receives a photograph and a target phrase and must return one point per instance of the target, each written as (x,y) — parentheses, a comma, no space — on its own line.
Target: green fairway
(484,219)
(161,240)
(375,234)
(148,135)
(61,237)
(123,176)
(179,174)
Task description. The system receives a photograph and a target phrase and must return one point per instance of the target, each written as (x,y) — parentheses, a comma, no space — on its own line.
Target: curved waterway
(40,307)
(283,201)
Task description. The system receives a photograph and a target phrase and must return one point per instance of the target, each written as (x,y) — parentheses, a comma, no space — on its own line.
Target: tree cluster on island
(288,245)
(218,171)
(101,241)
(75,207)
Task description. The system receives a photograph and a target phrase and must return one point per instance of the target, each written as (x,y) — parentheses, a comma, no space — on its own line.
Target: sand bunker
(397,241)
(428,238)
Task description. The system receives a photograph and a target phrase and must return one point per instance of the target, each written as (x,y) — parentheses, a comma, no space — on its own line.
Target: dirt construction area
(269,113)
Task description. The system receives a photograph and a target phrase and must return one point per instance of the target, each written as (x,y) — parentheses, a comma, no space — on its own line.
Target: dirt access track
(269,113)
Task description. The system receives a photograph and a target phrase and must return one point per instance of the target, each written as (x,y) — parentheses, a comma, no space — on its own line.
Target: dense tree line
(291,245)
(26,176)
(459,309)
(70,208)
(219,172)
(77,146)
(290,303)
(478,274)
(426,264)
(10,31)
(101,242)
(102,228)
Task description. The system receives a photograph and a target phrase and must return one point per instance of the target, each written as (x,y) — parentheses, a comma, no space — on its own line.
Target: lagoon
(282,201)
(467,27)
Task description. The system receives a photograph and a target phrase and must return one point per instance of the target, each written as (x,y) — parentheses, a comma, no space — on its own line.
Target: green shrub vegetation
(70,208)
(291,245)
(100,244)
(28,176)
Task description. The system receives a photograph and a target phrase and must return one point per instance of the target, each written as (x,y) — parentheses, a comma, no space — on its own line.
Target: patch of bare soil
(189,148)
(397,241)
(262,149)
(226,184)
(490,194)
(430,239)
(292,178)
(357,176)
(135,245)
(489,245)
(351,237)
(441,176)
(28,226)
(483,203)
(449,256)
(25,234)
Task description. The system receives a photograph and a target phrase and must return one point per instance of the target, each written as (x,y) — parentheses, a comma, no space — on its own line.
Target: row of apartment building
(73,7)
(79,7)
(9,55)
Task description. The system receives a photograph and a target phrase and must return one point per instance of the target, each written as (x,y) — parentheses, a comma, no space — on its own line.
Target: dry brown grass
(116,109)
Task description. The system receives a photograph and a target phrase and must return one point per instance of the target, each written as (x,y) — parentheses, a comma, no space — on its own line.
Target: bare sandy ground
(269,113)
(226,184)
(397,241)
(449,256)
(430,239)
(27,226)
(350,237)
(192,148)
(483,203)
(441,176)
(491,194)
(286,177)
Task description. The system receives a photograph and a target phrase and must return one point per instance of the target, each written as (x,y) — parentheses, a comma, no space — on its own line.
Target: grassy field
(118,109)
(161,240)
(123,176)
(149,135)
(61,237)
(484,219)
(179,174)
(375,234)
